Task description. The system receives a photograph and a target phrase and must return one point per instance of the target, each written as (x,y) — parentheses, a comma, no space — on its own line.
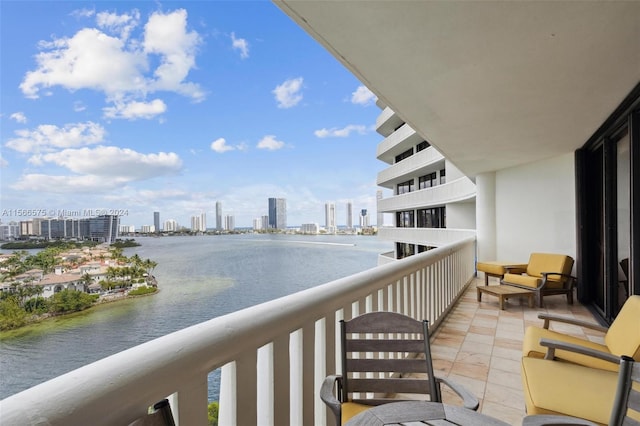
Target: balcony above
(396,143)
(425,161)
(387,122)
(458,190)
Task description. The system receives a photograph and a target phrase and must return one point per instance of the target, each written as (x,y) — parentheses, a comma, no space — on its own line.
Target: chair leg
(539,298)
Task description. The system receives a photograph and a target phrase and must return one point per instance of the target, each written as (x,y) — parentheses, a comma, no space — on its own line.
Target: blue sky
(172,106)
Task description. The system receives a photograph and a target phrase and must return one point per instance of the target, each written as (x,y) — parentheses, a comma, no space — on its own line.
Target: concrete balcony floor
(480,347)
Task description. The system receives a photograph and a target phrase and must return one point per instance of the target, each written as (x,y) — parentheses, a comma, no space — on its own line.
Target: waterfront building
(265,222)
(257,224)
(156,221)
(310,228)
(349,215)
(277,213)
(104,228)
(26,228)
(147,229)
(364,219)
(330,218)
(9,231)
(127,229)
(429,194)
(229,223)
(218,215)
(170,225)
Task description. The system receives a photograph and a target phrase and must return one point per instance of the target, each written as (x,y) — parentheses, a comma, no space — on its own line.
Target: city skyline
(238,102)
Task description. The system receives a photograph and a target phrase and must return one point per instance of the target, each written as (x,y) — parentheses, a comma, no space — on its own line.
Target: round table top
(421,412)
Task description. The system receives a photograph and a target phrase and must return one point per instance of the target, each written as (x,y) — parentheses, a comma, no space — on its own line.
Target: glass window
(404,250)
(404,187)
(407,153)
(431,218)
(443,176)
(405,219)
(422,146)
(427,181)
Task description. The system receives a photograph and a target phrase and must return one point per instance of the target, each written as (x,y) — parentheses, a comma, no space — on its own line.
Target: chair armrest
(552,420)
(468,399)
(329,398)
(548,317)
(512,269)
(552,345)
(545,275)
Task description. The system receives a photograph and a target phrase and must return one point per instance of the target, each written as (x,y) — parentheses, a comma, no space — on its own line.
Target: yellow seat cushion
(623,337)
(553,387)
(350,409)
(523,280)
(531,348)
(497,268)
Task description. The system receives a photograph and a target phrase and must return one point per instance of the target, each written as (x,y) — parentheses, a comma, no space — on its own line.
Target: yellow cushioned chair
(554,390)
(621,338)
(546,273)
(385,355)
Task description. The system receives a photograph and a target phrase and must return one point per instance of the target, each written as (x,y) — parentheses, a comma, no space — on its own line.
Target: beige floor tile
(512,416)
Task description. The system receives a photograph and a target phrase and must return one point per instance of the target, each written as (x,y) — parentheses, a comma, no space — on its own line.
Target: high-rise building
(170,225)
(434,202)
(277,213)
(265,222)
(156,221)
(104,229)
(257,224)
(330,217)
(229,223)
(199,222)
(349,215)
(364,219)
(218,215)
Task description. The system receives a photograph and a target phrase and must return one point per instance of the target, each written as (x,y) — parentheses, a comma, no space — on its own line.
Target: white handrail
(272,355)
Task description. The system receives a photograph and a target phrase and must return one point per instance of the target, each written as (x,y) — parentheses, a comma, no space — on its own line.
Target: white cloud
(48,137)
(19,117)
(108,59)
(166,35)
(3,162)
(240,44)
(122,24)
(288,93)
(112,162)
(89,60)
(134,110)
(220,145)
(271,143)
(363,96)
(341,133)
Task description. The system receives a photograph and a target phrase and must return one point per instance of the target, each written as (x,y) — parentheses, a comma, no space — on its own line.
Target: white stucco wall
(461,215)
(535,209)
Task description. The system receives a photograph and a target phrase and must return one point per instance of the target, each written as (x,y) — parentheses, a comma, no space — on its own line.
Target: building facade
(428,192)
(156,222)
(330,218)
(218,215)
(277,213)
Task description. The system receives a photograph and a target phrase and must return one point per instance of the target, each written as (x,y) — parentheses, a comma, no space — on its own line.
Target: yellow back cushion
(547,262)
(623,337)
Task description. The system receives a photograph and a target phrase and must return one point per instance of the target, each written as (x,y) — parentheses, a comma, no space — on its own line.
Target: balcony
(396,143)
(450,192)
(273,356)
(418,164)
(387,122)
(435,237)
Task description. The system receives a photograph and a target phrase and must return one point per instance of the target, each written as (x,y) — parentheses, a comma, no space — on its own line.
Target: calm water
(200,278)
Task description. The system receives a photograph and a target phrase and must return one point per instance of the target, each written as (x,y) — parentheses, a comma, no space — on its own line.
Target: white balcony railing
(450,192)
(410,167)
(273,356)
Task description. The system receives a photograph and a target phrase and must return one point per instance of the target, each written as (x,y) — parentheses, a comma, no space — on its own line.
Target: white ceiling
(491,84)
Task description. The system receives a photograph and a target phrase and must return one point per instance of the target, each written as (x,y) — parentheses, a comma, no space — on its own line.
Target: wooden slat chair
(385,356)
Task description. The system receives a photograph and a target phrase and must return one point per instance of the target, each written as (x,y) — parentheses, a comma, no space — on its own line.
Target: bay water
(199,277)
